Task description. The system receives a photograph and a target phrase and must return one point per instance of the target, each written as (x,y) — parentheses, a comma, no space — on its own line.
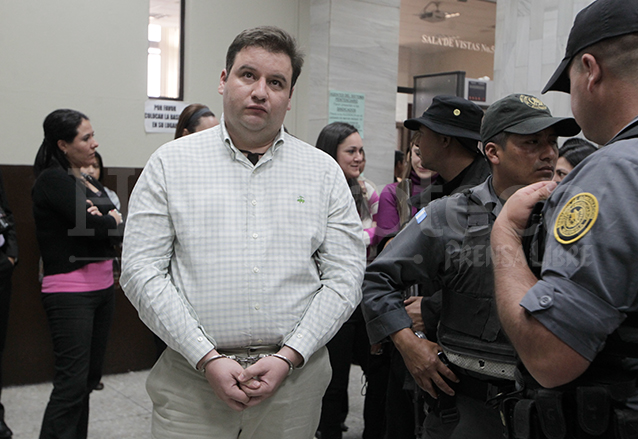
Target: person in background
(8,260)
(343,143)
(77,227)
(96,170)
(244,253)
(572,152)
(399,165)
(194,118)
(368,187)
(449,146)
(394,208)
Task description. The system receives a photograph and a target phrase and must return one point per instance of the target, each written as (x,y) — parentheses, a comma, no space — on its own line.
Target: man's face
(526,159)
(256,93)
(429,144)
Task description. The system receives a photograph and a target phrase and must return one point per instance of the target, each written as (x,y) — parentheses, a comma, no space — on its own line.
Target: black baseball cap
(523,114)
(599,21)
(450,116)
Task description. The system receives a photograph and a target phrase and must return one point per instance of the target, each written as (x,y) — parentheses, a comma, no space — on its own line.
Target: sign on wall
(347,107)
(161,116)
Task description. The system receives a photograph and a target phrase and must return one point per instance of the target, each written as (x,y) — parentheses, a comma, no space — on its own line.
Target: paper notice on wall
(347,107)
(161,116)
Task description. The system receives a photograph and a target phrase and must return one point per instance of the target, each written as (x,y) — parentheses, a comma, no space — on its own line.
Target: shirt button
(260,341)
(299,335)
(200,339)
(256,269)
(255,236)
(545,301)
(254,202)
(257,306)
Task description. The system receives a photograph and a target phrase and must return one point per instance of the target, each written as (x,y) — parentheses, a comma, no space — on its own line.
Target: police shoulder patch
(420,215)
(576,218)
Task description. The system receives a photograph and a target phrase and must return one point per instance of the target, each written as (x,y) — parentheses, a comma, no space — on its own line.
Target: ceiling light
(435,15)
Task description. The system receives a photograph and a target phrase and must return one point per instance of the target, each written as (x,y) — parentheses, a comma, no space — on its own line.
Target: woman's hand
(117,215)
(92,209)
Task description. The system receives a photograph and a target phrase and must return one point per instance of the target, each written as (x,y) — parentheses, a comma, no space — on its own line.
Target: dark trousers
(6,270)
(79,324)
(351,345)
(402,414)
(476,421)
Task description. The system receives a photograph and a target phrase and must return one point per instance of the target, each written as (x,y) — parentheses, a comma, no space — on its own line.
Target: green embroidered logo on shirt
(300,199)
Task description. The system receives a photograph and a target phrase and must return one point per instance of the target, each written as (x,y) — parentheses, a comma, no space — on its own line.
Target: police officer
(448,242)
(575,326)
(448,135)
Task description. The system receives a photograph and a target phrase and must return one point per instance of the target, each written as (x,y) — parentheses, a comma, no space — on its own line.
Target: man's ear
(593,69)
(492,152)
(222,82)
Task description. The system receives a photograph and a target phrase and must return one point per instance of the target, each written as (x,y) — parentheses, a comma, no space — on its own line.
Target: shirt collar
(235,152)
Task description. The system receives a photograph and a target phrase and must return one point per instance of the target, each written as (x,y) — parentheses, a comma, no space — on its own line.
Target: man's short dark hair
(272,39)
(619,54)
(500,139)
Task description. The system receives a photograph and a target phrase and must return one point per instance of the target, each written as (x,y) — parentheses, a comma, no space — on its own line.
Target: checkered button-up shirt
(219,253)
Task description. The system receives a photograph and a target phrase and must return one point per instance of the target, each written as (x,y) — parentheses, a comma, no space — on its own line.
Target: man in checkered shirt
(243,251)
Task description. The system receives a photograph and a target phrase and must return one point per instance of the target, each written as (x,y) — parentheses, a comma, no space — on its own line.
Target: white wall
(531,37)
(91,56)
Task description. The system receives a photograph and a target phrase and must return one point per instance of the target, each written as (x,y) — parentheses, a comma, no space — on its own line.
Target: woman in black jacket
(77,227)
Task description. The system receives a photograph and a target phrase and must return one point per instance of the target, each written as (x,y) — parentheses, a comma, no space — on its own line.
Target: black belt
(482,390)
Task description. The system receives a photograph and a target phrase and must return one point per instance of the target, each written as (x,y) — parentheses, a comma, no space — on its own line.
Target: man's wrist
(403,337)
(200,364)
(291,354)
(291,366)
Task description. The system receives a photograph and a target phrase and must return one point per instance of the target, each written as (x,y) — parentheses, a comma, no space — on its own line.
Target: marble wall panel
(538,49)
(355,49)
(522,40)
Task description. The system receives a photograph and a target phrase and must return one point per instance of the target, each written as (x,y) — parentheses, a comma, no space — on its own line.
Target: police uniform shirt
(589,276)
(429,248)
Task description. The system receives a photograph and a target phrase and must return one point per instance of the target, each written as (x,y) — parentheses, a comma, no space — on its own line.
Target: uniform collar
(628,132)
(484,193)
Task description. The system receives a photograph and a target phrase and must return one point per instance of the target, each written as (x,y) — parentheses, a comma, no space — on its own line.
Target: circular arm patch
(576,218)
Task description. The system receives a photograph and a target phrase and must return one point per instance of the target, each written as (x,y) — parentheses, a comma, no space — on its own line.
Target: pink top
(92,277)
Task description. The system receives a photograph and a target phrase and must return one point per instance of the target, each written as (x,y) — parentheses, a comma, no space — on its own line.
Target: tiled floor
(123,410)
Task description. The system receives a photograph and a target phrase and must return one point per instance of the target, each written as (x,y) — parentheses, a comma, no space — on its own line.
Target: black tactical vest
(469,324)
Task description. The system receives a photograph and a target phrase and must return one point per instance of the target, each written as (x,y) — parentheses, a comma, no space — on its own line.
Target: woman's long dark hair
(574,150)
(100,166)
(59,125)
(330,137)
